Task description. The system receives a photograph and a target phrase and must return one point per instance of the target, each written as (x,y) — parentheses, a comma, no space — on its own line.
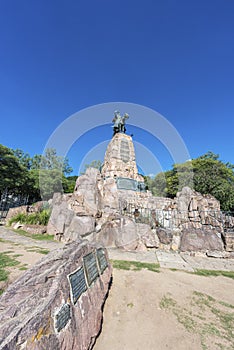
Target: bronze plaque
(102,261)
(124,151)
(91,269)
(62,317)
(78,283)
(126,184)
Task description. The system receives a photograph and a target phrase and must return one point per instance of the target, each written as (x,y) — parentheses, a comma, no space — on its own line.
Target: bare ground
(163,310)
(168,310)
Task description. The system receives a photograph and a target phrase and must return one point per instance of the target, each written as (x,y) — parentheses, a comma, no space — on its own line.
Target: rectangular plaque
(78,283)
(62,317)
(91,269)
(126,184)
(124,151)
(102,261)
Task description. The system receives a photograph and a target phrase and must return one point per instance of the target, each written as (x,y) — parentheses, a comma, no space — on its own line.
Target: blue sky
(173,56)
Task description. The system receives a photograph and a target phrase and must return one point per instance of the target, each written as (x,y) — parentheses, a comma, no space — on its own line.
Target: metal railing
(11,200)
(172,218)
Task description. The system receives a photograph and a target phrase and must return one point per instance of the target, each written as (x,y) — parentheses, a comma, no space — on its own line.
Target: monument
(113,207)
(120,159)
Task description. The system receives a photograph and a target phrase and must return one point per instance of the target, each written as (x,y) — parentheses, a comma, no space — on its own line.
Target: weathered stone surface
(108,233)
(175,244)
(200,240)
(14,211)
(25,209)
(228,237)
(165,236)
(120,159)
(33,229)
(147,236)
(86,188)
(109,195)
(29,307)
(61,216)
(127,237)
(79,227)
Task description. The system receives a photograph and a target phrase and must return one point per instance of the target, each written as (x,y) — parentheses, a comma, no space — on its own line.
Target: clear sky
(173,56)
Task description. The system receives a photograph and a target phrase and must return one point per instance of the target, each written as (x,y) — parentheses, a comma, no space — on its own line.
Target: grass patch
(5,262)
(37,237)
(167,302)
(3,275)
(23,268)
(211,319)
(134,265)
(38,250)
(202,272)
(17,255)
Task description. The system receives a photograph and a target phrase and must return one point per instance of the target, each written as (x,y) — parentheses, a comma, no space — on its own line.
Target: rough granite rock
(86,186)
(80,227)
(120,159)
(165,236)
(147,236)
(29,306)
(200,240)
(61,216)
(127,237)
(120,232)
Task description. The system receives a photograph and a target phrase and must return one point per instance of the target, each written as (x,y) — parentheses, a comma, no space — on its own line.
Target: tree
(41,175)
(97,164)
(50,161)
(23,158)
(13,176)
(69,184)
(48,172)
(206,174)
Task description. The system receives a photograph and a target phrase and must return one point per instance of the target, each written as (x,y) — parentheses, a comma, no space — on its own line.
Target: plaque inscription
(124,151)
(91,269)
(62,317)
(126,184)
(78,283)
(102,262)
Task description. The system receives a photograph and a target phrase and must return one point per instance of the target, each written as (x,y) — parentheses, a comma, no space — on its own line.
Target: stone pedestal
(120,160)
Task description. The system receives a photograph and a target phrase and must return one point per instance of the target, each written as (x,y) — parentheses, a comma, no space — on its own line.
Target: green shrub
(40,218)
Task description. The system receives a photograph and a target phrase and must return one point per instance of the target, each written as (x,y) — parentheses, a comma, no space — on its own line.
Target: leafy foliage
(37,176)
(206,174)
(40,218)
(97,164)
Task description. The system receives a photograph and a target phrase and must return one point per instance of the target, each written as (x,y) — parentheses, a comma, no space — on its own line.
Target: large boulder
(147,236)
(200,240)
(80,227)
(109,195)
(57,304)
(118,232)
(86,187)
(61,216)
(165,235)
(127,237)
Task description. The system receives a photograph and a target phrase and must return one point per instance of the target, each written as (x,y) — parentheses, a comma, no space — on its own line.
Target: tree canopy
(37,176)
(207,174)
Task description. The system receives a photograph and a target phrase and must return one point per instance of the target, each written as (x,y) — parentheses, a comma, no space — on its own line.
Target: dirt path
(24,249)
(166,311)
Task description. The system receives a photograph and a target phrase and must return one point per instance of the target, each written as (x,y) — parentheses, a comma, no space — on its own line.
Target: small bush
(40,218)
